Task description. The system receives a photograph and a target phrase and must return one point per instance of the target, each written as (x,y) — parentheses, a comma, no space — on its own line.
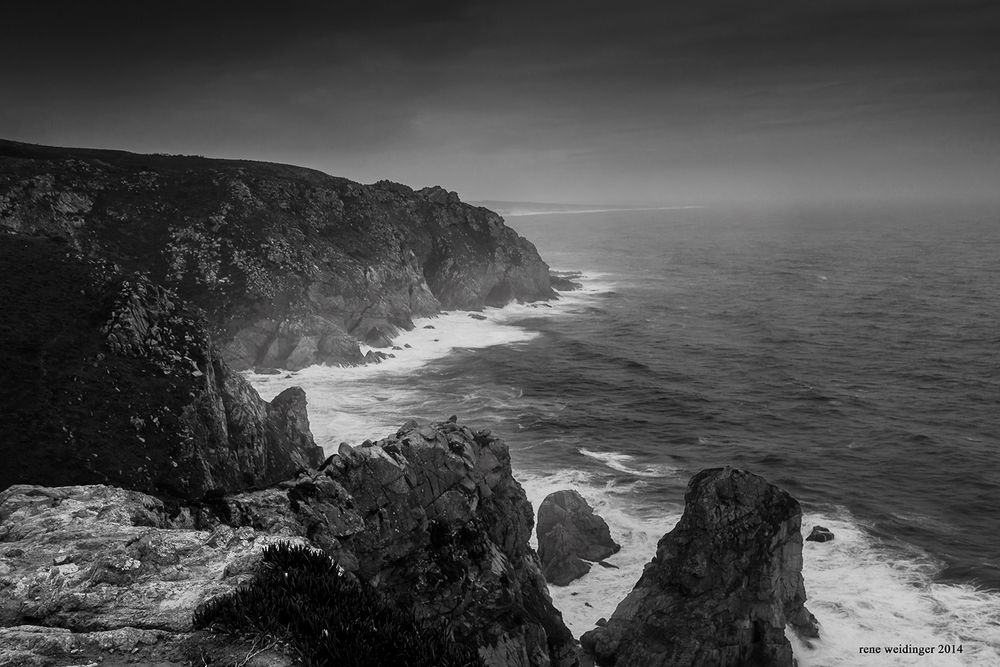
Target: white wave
(596,595)
(621,463)
(867,594)
(862,592)
(354,403)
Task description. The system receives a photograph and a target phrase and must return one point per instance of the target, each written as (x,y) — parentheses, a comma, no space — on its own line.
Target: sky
(587,102)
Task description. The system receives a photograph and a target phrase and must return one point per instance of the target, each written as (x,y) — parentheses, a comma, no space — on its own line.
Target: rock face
(569,533)
(435,517)
(722,586)
(111,378)
(432,516)
(291,267)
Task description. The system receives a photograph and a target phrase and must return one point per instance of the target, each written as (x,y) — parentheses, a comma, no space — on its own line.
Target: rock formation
(290,266)
(111,378)
(820,534)
(724,583)
(569,534)
(432,516)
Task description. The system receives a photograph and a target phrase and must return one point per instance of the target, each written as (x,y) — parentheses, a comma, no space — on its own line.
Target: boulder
(569,533)
(820,534)
(723,586)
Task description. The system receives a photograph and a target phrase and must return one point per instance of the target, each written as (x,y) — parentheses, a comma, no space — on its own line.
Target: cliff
(110,378)
(289,266)
(431,516)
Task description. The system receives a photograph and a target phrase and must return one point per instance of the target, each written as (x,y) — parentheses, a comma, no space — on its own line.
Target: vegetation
(301,597)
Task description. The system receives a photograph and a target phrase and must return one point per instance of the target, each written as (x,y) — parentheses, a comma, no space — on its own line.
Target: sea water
(851,356)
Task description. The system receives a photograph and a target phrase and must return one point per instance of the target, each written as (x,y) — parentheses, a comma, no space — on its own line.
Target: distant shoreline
(519,212)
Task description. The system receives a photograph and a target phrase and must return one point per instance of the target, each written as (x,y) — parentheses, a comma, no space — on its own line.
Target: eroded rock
(569,533)
(434,515)
(724,583)
(820,534)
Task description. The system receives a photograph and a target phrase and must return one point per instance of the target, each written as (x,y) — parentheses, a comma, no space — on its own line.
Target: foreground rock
(569,534)
(96,571)
(112,379)
(722,587)
(290,266)
(432,516)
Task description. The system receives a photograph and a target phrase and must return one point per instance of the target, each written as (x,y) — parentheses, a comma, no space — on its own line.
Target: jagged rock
(133,393)
(291,267)
(434,515)
(375,357)
(820,534)
(563,282)
(568,534)
(722,587)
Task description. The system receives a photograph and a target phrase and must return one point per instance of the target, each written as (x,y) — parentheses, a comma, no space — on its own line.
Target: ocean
(849,354)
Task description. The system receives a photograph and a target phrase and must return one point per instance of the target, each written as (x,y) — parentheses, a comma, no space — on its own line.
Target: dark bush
(300,596)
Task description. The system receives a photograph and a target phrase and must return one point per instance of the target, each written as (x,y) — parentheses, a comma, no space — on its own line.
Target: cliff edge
(290,266)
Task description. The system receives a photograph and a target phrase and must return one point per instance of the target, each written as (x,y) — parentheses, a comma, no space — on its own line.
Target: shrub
(301,597)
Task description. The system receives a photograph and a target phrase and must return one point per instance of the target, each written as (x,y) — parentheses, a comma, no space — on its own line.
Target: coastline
(861,589)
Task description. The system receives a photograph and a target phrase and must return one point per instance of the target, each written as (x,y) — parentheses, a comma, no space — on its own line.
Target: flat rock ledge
(98,571)
(723,586)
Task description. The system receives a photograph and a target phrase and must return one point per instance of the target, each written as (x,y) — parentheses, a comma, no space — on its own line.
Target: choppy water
(852,357)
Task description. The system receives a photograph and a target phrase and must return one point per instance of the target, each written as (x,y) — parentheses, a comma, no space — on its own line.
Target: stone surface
(569,533)
(117,381)
(723,586)
(820,534)
(101,571)
(290,266)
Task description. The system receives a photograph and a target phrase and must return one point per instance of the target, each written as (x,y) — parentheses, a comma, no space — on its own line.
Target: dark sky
(576,101)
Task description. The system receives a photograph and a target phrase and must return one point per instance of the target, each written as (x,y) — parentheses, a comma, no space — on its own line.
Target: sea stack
(569,535)
(724,583)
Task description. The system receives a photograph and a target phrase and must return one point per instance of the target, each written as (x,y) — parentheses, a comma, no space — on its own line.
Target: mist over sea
(848,354)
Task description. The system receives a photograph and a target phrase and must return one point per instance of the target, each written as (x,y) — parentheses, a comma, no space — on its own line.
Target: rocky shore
(144,477)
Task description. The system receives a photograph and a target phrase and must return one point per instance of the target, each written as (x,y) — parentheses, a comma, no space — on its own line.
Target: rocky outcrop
(290,266)
(435,517)
(722,587)
(111,378)
(569,534)
(432,516)
(91,572)
(820,534)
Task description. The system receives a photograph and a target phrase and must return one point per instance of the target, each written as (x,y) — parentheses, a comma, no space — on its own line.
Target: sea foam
(355,403)
(863,593)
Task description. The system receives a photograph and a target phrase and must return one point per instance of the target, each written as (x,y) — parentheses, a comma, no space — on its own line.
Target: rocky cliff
(431,516)
(723,586)
(111,378)
(290,266)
